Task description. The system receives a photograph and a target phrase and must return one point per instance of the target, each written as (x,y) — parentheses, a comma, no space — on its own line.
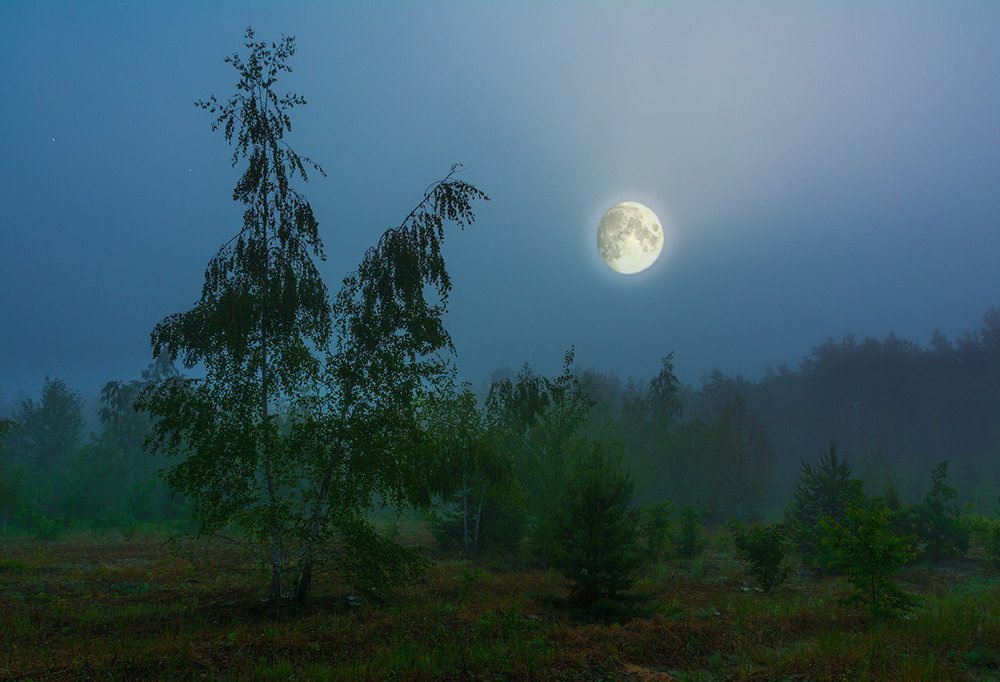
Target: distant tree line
(54,477)
(732,446)
(895,408)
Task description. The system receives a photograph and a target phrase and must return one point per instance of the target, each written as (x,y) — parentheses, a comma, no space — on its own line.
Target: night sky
(819,171)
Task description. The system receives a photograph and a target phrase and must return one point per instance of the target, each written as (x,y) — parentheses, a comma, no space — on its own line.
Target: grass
(89,608)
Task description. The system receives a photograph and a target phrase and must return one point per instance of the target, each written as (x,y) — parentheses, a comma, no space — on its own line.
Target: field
(110,608)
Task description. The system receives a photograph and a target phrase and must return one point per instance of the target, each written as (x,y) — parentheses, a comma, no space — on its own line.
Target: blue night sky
(819,170)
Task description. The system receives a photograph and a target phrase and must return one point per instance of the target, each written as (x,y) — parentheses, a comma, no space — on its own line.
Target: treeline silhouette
(896,410)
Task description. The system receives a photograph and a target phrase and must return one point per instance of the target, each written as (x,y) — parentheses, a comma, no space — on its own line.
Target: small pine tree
(763,548)
(826,490)
(936,520)
(868,553)
(595,536)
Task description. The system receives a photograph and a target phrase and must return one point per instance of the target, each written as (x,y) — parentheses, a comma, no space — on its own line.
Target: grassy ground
(85,608)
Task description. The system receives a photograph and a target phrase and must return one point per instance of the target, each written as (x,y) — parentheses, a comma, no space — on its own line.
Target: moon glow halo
(629,237)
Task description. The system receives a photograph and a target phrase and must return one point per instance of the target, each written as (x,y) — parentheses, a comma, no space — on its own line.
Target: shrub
(43,527)
(989,536)
(936,520)
(654,526)
(689,538)
(868,553)
(763,548)
(494,526)
(991,546)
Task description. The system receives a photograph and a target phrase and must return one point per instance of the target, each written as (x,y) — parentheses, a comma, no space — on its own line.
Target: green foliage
(307,411)
(991,545)
(6,426)
(371,559)
(538,421)
(12,493)
(107,482)
(97,487)
(371,430)
(654,528)
(44,527)
(118,454)
(936,520)
(484,526)
(469,578)
(874,470)
(595,535)
(664,403)
(49,430)
(983,532)
(510,460)
(745,461)
(763,549)
(262,309)
(689,538)
(866,551)
(649,423)
(11,480)
(39,452)
(827,490)
(486,509)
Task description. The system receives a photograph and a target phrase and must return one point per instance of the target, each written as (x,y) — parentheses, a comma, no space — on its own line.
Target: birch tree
(302,411)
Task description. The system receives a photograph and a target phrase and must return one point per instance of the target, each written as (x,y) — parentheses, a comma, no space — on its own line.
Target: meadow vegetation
(106,607)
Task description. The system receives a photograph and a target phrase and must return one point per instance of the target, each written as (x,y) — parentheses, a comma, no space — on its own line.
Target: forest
(299,486)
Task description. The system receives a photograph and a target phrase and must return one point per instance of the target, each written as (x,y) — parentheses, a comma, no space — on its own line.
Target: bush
(595,537)
(654,526)
(494,526)
(763,549)
(987,532)
(689,539)
(869,553)
(936,520)
(991,546)
(43,527)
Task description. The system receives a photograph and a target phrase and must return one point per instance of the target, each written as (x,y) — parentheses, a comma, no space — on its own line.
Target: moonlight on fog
(629,237)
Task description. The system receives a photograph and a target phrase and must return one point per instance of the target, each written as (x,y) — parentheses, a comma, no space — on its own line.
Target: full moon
(629,237)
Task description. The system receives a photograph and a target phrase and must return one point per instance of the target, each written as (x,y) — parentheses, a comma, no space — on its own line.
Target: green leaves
(288,434)
(864,548)
(385,301)
(935,520)
(262,316)
(763,548)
